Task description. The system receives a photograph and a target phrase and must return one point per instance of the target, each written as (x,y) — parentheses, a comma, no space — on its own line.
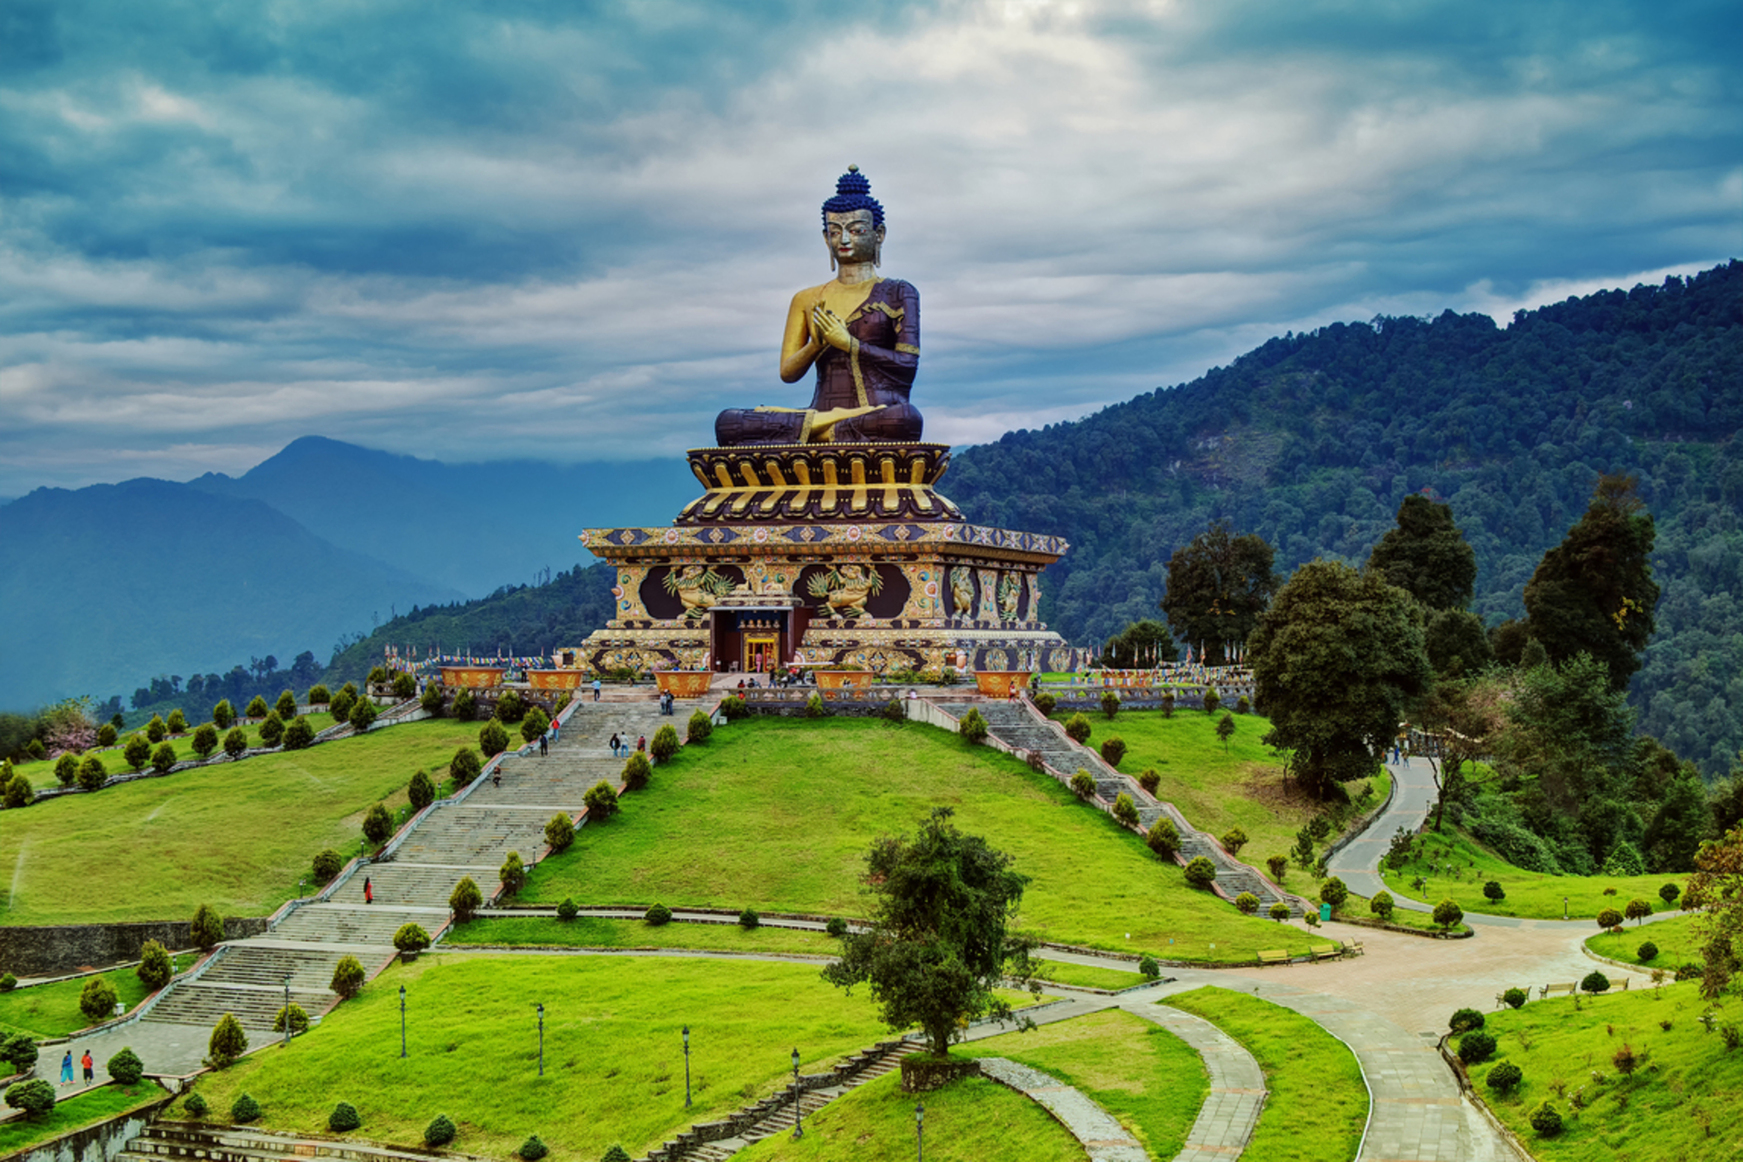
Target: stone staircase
(775,1114)
(1021,727)
(184,1142)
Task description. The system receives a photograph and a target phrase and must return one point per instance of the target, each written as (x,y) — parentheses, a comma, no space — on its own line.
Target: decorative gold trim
(907,349)
(858,379)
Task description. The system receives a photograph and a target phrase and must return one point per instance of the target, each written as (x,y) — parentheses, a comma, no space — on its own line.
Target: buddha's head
(853,221)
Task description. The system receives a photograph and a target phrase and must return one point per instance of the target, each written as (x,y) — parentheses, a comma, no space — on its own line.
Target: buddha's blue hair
(853,192)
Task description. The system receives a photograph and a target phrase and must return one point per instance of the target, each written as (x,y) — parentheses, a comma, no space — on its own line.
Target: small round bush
(205,740)
(272,729)
(421,791)
(1113,749)
(163,759)
(1447,913)
(815,708)
(107,734)
(126,1067)
(748,919)
(20,1052)
(156,730)
(1545,1120)
(155,966)
(637,771)
(1163,838)
(1278,866)
(465,707)
(664,744)
(532,1149)
(378,824)
(1150,779)
(286,705)
(1669,892)
(1334,892)
(512,874)
(196,1105)
(492,739)
(1465,1021)
(1125,810)
(1200,872)
(235,742)
(293,1015)
(1476,1046)
(464,766)
(560,831)
(1082,784)
(659,914)
(300,734)
(228,1041)
(35,1097)
(734,707)
(1609,918)
(837,927)
(8,983)
(1505,1077)
(510,708)
(1148,968)
(1381,904)
(972,728)
(348,977)
(97,999)
(404,685)
(615,1154)
(1077,728)
(1248,903)
(344,1117)
(439,1132)
(465,899)
(1110,703)
(319,695)
(1595,982)
(567,909)
(601,802)
(1045,702)
(1279,911)
(137,752)
(1647,952)
(1515,998)
(433,699)
(66,769)
(1494,891)
(328,864)
(411,938)
(699,728)
(207,928)
(1233,840)
(223,714)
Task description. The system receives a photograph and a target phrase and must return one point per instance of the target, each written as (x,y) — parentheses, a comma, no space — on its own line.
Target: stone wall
(102,1142)
(63,948)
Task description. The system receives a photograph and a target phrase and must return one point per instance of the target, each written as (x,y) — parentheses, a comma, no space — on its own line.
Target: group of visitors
(67,1068)
(620,745)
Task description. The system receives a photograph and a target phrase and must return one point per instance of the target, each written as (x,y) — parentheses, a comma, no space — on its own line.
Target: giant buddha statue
(859,330)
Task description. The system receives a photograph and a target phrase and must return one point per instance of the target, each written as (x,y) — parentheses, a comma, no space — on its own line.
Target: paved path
(1356,861)
(1237,1086)
(1102,1137)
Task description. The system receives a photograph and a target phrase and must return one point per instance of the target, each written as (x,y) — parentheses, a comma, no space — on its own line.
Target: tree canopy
(1218,585)
(1427,556)
(1142,643)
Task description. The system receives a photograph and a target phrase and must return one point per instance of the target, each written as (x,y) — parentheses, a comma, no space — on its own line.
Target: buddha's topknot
(853,192)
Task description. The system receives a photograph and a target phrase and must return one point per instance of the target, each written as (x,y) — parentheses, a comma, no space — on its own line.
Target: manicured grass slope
(41,774)
(1088,975)
(778,814)
(588,932)
(614,1062)
(238,836)
(52,1010)
(83,1110)
(972,1120)
(1532,895)
(1676,940)
(1212,787)
(1681,1104)
(1145,1076)
(1318,1102)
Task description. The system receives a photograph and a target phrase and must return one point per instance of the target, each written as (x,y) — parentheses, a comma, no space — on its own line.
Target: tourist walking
(544,747)
(642,743)
(596,688)
(368,891)
(616,745)
(90,1067)
(67,1068)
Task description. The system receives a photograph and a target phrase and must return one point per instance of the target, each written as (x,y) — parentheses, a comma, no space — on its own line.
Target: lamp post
(919,1132)
(402,1021)
(541,1038)
(798,1114)
(686,1067)
(287,1022)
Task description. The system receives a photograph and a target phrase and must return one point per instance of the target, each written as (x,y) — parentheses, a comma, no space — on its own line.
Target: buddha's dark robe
(878,370)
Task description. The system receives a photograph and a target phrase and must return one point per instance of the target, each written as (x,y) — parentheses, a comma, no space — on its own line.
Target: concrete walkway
(1412,798)
(1237,1086)
(1102,1137)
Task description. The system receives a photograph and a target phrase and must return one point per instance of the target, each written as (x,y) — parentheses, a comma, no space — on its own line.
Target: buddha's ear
(878,252)
(827,246)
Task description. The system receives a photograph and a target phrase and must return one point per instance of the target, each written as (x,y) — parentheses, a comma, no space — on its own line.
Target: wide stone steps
(249,964)
(202,1004)
(475,836)
(555,783)
(412,885)
(348,924)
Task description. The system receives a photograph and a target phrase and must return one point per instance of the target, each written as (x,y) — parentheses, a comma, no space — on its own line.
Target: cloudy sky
(570,230)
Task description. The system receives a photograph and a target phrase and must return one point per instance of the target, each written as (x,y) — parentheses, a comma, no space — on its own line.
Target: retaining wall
(53,950)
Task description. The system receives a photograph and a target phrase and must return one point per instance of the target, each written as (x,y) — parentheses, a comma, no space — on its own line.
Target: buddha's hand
(823,423)
(827,327)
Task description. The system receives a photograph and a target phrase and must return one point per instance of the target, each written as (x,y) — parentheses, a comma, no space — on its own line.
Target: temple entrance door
(760,651)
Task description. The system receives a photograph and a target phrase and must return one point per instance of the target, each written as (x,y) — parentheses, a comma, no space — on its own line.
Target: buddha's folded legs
(747,426)
(898,421)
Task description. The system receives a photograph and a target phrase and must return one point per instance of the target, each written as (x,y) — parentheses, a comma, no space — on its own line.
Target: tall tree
(1683,819)
(1142,643)
(1218,585)
(940,944)
(1427,556)
(1716,889)
(1337,660)
(1594,592)
(1463,717)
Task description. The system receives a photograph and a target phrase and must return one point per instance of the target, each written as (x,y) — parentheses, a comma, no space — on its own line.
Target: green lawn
(238,836)
(1217,789)
(41,774)
(1087,975)
(1357,907)
(1318,1103)
(1676,941)
(971,1120)
(614,1062)
(1682,1105)
(1145,1076)
(52,1010)
(778,814)
(1458,866)
(98,1105)
(590,932)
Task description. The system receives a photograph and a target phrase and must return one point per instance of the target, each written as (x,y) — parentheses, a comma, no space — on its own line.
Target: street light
(541,1038)
(287,1021)
(919,1132)
(686,1067)
(402,1021)
(798,1114)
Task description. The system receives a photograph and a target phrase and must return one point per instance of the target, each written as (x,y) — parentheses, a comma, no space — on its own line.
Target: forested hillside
(1312,440)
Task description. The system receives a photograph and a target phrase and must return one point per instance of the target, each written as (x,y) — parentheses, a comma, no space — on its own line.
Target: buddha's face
(852,237)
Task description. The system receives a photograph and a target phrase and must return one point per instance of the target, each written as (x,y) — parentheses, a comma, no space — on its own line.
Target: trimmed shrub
(412,937)
(1148,968)
(1381,904)
(156,730)
(700,726)
(177,723)
(421,791)
(1668,893)
(1110,703)
(107,734)
(664,744)
(1150,780)
(1279,911)
(734,707)
(837,927)
(348,977)
(155,966)
(125,1066)
(1465,1021)
(532,1149)
(378,676)
(1609,918)
(464,766)
(615,1154)
(1045,702)
(1334,892)
(1504,1078)
(293,1015)
(433,700)
(536,723)
(567,909)
(1595,982)
(137,752)
(439,1132)
(206,740)
(1200,872)
(1248,903)
(327,864)
(163,759)
(465,707)
(560,831)
(228,1041)
(256,707)
(1515,998)
(66,769)
(1637,910)
(492,739)
(512,873)
(1077,728)
(196,1105)
(1113,749)
(1125,810)
(1493,891)
(235,742)
(35,1098)
(319,695)
(1233,840)
(1082,784)
(344,1117)
(509,707)
(286,705)
(658,915)
(1278,866)
(378,824)
(1163,838)
(244,1109)
(18,792)
(1646,953)
(465,899)
(362,716)
(1545,1120)
(97,999)
(1212,700)
(1447,913)
(223,714)
(972,728)
(748,919)
(637,771)
(815,708)
(1242,706)
(271,729)
(1476,1047)
(207,929)
(404,685)
(8,982)
(19,1051)
(601,802)
(1168,704)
